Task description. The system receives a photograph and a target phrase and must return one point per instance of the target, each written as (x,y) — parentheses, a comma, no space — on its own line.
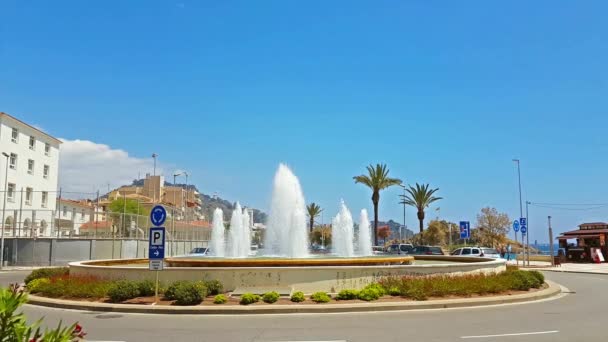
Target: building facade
(31,178)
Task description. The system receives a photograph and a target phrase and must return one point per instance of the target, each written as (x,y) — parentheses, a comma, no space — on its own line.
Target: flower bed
(211,292)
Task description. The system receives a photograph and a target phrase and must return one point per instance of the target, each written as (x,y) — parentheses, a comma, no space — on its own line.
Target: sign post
(516,229)
(523,227)
(156,245)
(465,230)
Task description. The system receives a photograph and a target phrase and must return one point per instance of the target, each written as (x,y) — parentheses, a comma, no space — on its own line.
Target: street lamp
(4,211)
(174,206)
(521,211)
(401,230)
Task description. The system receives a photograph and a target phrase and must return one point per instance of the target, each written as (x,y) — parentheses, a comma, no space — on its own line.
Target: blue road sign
(524,230)
(157,243)
(523,222)
(158,215)
(465,230)
(516,226)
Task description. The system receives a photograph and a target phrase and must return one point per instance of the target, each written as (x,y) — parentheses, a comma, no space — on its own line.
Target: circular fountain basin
(287,275)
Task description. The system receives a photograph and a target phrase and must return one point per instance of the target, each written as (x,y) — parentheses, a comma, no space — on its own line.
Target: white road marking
(515,334)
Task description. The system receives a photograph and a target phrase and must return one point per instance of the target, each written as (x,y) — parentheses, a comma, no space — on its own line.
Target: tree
(436,233)
(313,211)
(492,227)
(376,179)
(421,198)
(384,232)
(126,210)
(321,235)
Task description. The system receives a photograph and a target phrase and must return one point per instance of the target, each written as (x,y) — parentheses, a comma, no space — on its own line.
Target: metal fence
(60,252)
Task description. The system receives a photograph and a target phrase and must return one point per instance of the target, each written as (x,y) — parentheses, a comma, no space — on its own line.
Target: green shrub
(123,290)
(189,293)
(146,288)
(347,295)
(298,297)
(48,272)
(539,276)
(320,297)
(214,287)
(270,297)
(249,298)
(74,287)
(169,293)
(394,291)
(520,280)
(369,294)
(38,285)
(378,287)
(416,293)
(220,299)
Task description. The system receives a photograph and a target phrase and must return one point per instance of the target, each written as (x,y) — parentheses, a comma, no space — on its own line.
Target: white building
(71,215)
(31,189)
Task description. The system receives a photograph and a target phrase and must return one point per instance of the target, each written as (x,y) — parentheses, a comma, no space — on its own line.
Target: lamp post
(527,236)
(401,230)
(521,211)
(174,207)
(4,211)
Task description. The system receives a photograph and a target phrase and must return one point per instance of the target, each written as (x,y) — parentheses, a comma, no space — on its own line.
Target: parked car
(477,252)
(402,248)
(426,250)
(378,250)
(199,251)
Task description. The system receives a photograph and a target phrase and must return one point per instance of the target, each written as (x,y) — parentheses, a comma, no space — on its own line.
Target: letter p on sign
(157,238)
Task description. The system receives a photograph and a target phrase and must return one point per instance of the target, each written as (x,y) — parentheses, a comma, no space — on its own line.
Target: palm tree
(376,179)
(313,210)
(420,197)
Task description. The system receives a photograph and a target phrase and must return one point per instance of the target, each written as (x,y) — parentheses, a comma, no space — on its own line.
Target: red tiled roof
(593,224)
(586,232)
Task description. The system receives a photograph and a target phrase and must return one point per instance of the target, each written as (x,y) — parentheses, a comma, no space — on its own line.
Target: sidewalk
(566,267)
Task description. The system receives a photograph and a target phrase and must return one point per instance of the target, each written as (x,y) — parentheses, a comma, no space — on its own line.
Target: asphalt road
(571,317)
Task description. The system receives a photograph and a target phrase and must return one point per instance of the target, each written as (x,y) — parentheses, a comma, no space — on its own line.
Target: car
(378,250)
(476,252)
(199,251)
(402,248)
(426,250)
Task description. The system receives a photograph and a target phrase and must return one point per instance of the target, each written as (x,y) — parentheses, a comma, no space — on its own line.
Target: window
(32,143)
(475,251)
(45,198)
(13,161)
(30,166)
(11,192)
(47,149)
(456,252)
(29,192)
(15,135)
(65,210)
(45,171)
(466,251)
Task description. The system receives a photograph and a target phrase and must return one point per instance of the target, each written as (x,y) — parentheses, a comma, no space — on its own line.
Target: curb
(570,271)
(553,290)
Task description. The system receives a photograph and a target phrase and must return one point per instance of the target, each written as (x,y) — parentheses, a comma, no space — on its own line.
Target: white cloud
(86,166)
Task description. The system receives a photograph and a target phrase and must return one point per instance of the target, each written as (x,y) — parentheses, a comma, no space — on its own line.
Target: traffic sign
(158,215)
(157,243)
(523,222)
(516,226)
(524,230)
(156,265)
(465,230)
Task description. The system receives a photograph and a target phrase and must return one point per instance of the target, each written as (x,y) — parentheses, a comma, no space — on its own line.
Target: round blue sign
(523,230)
(516,225)
(158,215)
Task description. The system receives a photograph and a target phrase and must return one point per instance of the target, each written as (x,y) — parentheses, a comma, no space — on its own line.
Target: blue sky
(443,92)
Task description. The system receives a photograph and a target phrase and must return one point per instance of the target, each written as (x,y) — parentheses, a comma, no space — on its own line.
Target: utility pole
(401,230)
(521,214)
(551,242)
(154,155)
(527,236)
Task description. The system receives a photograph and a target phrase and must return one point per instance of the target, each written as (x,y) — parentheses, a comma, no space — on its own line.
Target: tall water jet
(235,236)
(342,233)
(246,234)
(218,236)
(364,239)
(286,233)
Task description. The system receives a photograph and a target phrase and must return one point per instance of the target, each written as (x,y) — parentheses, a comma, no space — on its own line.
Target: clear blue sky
(445,92)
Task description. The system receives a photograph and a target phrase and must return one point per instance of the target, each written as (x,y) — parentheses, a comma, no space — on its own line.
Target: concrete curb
(570,271)
(553,290)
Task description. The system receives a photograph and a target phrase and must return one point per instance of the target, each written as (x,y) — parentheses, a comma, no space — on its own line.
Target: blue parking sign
(465,230)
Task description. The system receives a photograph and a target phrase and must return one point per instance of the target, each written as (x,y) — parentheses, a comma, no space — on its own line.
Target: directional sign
(157,243)
(516,226)
(465,230)
(523,222)
(158,215)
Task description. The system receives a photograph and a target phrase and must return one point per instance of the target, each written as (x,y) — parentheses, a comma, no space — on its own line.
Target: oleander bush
(539,276)
(270,297)
(214,287)
(189,293)
(249,298)
(320,297)
(298,297)
(347,295)
(122,290)
(146,288)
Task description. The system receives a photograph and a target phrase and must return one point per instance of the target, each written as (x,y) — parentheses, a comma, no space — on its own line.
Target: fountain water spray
(365,236)
(246,235)
(218,238)
(236,237)
(342,232)
(286,233)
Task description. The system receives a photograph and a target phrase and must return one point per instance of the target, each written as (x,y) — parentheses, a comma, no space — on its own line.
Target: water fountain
(364,239)
(342,233)
(218,238)
(286,233)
